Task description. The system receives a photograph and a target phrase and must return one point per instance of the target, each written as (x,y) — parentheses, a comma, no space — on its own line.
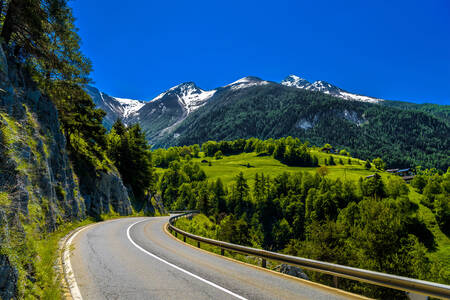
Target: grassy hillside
(229,167)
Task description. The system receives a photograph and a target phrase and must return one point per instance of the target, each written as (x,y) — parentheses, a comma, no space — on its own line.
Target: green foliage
(379,163)
(42,34)
(130,152)
(368,165)
(331,161)
(35,252)
(4,199)
(419,182)
(81,124)
(440,111)
(396,187)
(42,37)
(234,230)
(218,155)
(373,187)
(344,152)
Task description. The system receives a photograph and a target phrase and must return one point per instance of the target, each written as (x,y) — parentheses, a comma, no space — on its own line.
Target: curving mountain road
(134,258)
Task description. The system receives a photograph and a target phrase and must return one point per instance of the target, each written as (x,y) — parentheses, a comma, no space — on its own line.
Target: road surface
(134,258)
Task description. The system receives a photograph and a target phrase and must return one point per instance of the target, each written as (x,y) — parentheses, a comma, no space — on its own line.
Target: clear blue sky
(397,50)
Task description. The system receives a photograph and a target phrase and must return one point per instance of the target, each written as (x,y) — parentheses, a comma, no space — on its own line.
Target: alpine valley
(318,112)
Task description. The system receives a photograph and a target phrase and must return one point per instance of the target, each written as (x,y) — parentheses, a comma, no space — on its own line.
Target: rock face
(291,270)
(8,278)
(38,187)
(105,193)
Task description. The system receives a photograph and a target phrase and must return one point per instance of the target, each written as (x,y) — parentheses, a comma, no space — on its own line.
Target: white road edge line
(178,268)
(70,277)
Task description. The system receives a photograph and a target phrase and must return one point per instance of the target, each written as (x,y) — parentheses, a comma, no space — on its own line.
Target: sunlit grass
(250,164)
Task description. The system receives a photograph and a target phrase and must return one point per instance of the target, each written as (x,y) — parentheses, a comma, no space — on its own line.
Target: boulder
(291,270)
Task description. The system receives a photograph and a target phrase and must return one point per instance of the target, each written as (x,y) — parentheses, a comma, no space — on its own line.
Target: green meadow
(250,164)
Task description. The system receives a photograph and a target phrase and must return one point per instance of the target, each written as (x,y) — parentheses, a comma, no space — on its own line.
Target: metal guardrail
(381,279)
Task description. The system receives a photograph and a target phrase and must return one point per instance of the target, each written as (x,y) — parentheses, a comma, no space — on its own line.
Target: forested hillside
(403,138)
(440,111)
(378,223)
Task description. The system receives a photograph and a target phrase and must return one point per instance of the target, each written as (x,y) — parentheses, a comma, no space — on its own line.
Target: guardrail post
(184,238)
(222,251)
(176,234)
(335,281)
(198,244)
(263,263)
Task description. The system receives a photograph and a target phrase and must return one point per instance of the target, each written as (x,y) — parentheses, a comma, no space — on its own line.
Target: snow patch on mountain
(295,81)
(192,97)
(189,96)
(129,106)
(326,88)
(246,82)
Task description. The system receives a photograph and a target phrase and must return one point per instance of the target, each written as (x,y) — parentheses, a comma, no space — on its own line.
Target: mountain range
(171,107)
(318,112)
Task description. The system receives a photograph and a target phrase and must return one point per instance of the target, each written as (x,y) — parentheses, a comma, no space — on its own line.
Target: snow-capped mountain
(189,96)
(246,82)
(115,108)
(161,116)
(326,88)
(295,81)
(129,107)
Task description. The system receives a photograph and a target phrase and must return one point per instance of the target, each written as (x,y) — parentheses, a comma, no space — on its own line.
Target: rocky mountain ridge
(327,88)
(159,116)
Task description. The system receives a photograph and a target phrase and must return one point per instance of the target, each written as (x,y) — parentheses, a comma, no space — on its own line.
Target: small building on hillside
(408,178)
(404,172)
(392,170)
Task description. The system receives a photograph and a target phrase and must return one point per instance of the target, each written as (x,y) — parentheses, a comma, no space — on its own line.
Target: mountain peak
(247,81)
(188,94)
(295,81)
(184,85)
(326,88)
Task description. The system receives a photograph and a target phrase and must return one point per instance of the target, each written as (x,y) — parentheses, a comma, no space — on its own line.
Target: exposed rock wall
(106,192)
(38,187)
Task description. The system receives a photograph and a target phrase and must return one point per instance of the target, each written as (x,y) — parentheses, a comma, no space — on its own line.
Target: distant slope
(402,138)
(440,111)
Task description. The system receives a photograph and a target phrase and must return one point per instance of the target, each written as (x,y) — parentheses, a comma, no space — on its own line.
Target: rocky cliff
(38,188)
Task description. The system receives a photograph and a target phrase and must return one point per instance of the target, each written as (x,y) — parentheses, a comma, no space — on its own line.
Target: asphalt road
(119,260)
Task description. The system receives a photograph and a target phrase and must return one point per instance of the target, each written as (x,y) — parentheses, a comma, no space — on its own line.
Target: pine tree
(331,161)
(130,152)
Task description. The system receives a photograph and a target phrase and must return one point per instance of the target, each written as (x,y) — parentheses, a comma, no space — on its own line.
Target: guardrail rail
(406,284)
